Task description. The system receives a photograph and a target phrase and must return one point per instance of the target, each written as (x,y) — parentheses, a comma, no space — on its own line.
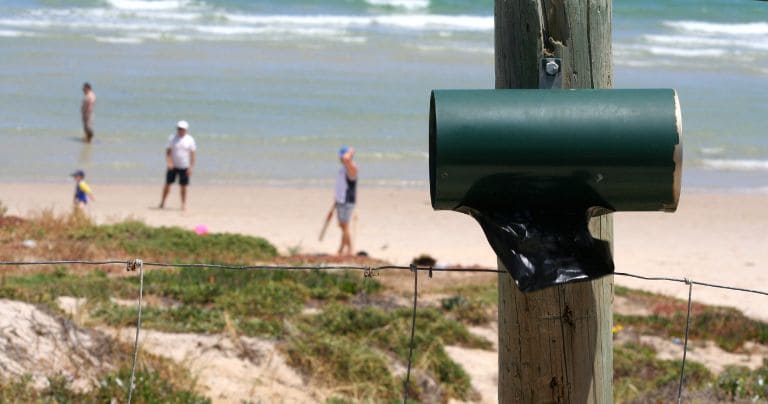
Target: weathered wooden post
(555,345)
(539,170)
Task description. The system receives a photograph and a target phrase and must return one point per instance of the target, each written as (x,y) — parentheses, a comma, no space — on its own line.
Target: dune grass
(258,302)
(151,388)
(376,334)
(359,344)
(349,347)
(157,381)
(740,383)
(174,244)
(728,327)
(76,237)
(640,377)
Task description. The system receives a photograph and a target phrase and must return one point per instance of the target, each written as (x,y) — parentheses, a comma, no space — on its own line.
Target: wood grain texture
(555,345)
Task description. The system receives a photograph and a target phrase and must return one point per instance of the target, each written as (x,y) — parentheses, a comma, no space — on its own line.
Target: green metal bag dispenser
(534,166)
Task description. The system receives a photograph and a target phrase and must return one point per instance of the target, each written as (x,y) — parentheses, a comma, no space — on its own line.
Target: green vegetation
(74,236)
(45,287)
(339,340)
(175,244)
(472,304)
(738,383)
(352,369)
(472,312)
(355,349)
(157,381)
(728,327)
(197,299)
(258,302)
(151,387)
(346,347)
(349,348)
(485,293)
(640,377)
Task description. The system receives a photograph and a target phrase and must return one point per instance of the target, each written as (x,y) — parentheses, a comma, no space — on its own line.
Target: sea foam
(686,53)
(405,4)
(751,28)
(115,20)
(735,164)
(148,5)
(437,22)
(690,40)
(119,40)
(268,31)
(13,33)
(399,21)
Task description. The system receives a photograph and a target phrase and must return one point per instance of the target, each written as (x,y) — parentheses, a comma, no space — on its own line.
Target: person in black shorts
(180,159)
(172,173)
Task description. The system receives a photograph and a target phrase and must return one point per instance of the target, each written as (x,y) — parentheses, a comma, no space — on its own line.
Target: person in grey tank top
(346,195)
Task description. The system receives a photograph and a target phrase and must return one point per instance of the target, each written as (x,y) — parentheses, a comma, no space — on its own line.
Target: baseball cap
(78,173)
(182,124)
(343,151)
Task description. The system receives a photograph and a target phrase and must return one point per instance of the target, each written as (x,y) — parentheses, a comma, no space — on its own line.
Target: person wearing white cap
(180,160)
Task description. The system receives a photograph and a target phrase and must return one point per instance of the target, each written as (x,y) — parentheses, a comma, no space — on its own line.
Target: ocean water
(272,88)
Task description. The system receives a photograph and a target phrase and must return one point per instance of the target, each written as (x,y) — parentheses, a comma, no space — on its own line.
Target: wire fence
(138,265)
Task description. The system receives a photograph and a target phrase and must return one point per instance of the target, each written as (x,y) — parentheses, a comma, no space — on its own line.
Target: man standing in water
(346,187)
(180,159)
(86,110)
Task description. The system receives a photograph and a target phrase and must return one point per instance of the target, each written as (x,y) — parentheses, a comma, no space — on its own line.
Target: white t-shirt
(181,148)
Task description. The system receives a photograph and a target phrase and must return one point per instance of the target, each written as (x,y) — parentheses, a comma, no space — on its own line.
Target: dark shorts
(170,176)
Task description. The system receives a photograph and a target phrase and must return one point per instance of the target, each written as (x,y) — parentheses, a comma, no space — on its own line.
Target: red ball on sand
(200,229)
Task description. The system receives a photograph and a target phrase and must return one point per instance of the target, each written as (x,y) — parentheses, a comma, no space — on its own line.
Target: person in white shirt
(180,159)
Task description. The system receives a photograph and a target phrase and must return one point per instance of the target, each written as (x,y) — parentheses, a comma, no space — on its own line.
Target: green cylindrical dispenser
(616,149)
(532,166)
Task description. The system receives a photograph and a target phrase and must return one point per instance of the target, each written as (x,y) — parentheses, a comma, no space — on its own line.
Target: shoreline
(328,183)
(717,238)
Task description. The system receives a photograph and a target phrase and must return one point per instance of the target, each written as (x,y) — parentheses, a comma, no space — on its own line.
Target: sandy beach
(716,238)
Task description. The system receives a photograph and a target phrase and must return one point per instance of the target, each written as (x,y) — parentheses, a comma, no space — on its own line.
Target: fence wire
(413,332)
(368,271)
(685,345)
(131,266)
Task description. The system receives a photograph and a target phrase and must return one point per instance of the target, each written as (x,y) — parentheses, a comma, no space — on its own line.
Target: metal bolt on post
(552,67)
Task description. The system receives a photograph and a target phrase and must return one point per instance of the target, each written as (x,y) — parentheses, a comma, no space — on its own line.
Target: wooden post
(555,345)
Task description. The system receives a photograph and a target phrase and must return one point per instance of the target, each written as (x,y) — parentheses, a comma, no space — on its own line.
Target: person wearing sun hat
(180,160)
(346,195)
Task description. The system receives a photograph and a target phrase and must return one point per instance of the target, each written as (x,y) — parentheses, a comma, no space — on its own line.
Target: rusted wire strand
(131,266)
(685,345)
(256,267)
(690,281)
(413,333)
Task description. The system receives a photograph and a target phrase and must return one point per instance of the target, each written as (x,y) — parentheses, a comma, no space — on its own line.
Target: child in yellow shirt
(83,192)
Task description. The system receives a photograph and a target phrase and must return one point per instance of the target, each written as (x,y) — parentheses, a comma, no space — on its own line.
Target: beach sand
(716,238)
